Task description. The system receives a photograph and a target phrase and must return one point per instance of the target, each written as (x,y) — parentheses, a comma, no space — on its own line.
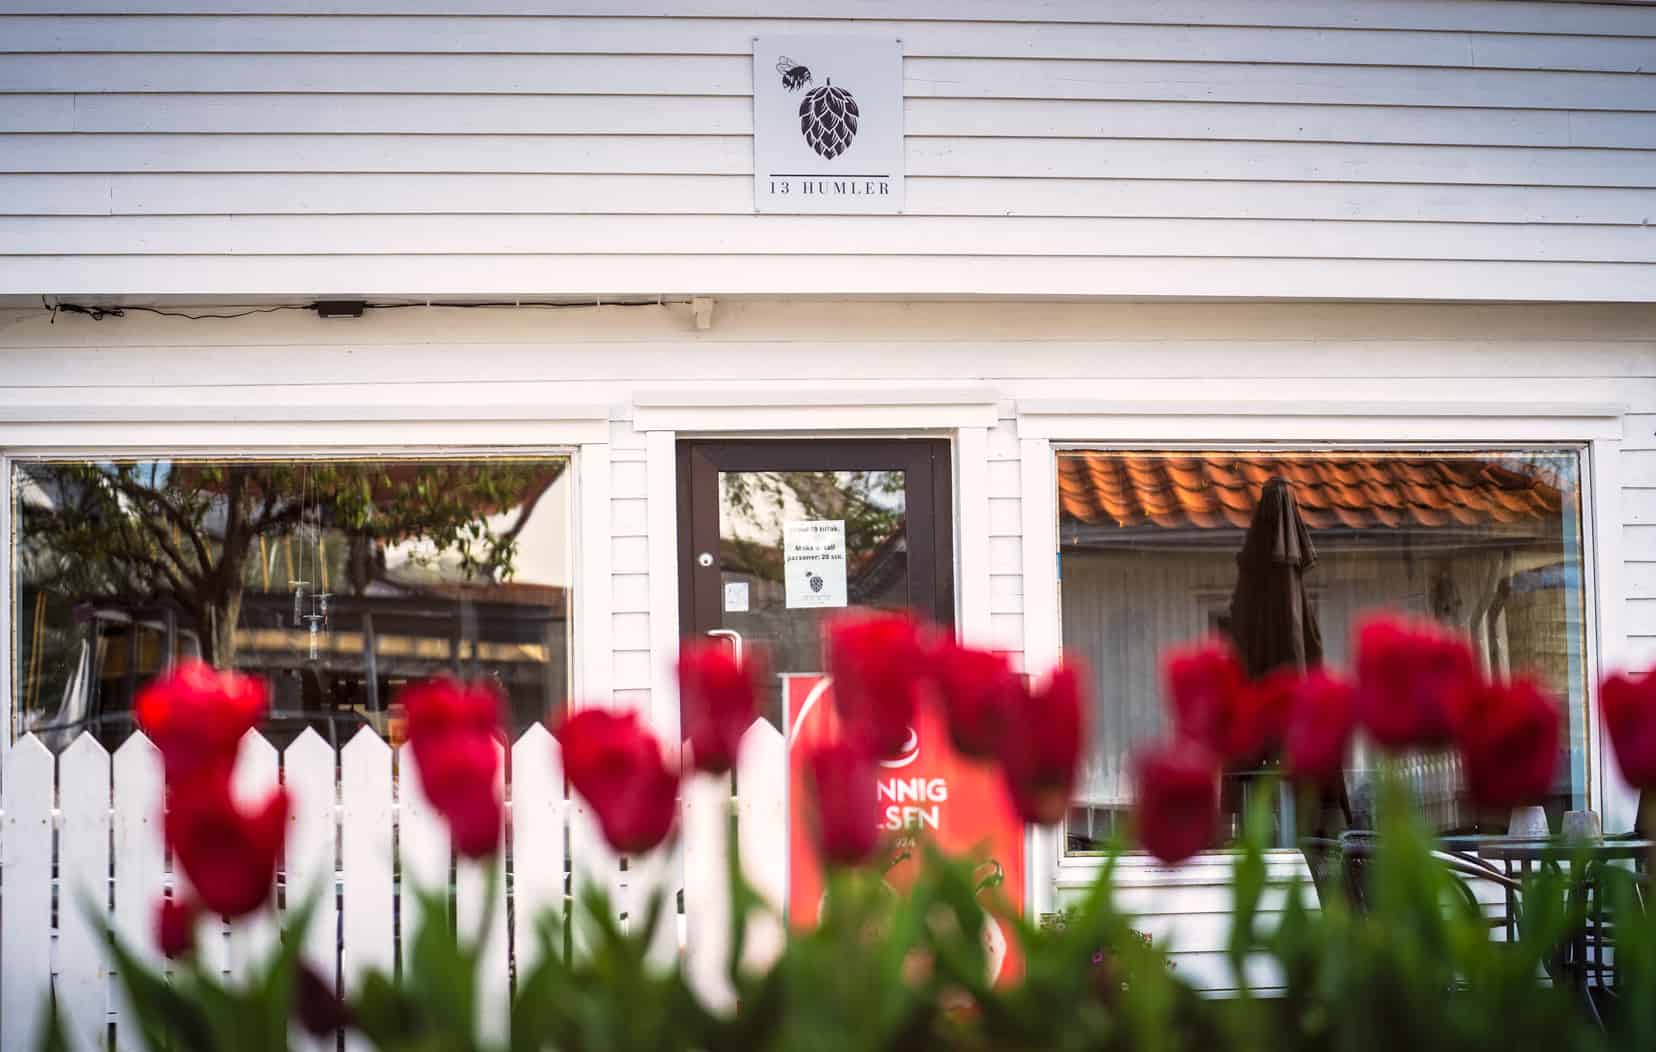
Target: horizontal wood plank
(632,74)
(365,194)
(733,155)
(734,36)
(611,235)
(728,115)
(1473,15)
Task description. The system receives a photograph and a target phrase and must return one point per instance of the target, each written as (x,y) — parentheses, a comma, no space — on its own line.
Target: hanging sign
(930,788)
(813,563)
(828,124)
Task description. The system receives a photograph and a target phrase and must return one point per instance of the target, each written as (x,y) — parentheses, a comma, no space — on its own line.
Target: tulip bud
(617,767)
(196,716)
(1204,688)
(847,807)
(1507,734)
(717,702)
(1176,810)
(1320,727)
(453,732)
(175,921)
(316,1004)
(1628,704)
(1041,748)
(1407,674)
(228,852)
(879,668)
(980,695)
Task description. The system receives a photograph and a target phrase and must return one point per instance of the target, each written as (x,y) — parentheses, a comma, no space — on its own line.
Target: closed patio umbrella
(1271,619)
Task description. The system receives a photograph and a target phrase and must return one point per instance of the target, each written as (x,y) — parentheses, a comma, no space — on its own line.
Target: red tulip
(879,668)
(718,704)
(1177,807)
(316,1004)
(1259,715)
(1407,674)
(847,808)
(1204,688)
(980,695)
(1320,727)
(453,731)
(175,921)
(461,777)
(617,767)
(229,853)
(1629,707)
(197,715)
(1041,748)
(1508,739)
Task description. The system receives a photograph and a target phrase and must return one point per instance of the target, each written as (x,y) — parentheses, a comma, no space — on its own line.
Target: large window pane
(337,580)
(1488,541)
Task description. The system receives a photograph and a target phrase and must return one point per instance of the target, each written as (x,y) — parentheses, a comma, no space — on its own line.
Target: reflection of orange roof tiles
(1214,490)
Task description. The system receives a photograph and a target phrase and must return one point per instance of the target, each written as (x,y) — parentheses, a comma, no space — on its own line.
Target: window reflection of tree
(210,549)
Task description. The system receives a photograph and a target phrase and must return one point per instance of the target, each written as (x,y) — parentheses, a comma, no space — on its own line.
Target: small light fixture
(340,308)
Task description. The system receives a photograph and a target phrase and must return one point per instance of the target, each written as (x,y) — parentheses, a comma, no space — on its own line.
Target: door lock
(704,560)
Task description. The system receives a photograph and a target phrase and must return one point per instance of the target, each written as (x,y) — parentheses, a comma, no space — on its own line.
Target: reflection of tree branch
(158,532)
(185,524)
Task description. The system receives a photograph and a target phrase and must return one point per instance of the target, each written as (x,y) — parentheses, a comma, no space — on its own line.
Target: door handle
(735,640)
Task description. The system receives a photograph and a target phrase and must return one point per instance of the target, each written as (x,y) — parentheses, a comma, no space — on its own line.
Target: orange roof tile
(1357,491)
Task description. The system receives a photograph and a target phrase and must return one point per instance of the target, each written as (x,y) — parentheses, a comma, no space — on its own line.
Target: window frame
(588,527)
(1046,427)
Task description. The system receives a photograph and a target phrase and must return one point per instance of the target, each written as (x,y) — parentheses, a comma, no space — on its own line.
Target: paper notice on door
(736,597)
(813,563)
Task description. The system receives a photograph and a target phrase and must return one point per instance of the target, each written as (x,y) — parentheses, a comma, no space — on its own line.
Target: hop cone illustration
(828,119)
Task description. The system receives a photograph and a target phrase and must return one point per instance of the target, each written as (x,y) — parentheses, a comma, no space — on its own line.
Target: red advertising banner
(959,804)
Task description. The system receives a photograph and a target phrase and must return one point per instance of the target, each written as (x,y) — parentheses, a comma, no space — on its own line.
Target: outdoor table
(1518,858)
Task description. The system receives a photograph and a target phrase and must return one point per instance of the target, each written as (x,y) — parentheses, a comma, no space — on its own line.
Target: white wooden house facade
(1391,224)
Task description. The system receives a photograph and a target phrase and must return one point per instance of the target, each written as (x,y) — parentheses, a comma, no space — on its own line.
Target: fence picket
(538,809)
(762,836)
(592,865)
(705,816)
(423,847)
(477,918)
(253,938)
(83,886)
(140,860)
(308,773)
(26,868)
(368,928)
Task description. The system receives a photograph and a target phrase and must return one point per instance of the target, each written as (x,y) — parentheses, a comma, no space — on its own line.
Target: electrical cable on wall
(335,308)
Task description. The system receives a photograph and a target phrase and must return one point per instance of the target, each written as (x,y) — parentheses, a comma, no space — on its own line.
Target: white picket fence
(85,827)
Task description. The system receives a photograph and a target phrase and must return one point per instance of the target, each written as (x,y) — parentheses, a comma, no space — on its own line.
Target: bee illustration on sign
(827,116)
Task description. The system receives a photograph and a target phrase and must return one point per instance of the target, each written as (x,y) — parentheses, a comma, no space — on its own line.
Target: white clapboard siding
(422,851)
(566,115)
(1029,158)
(641,74)
(252,938)
(480,915)
(523,135)
(83,890)
(706,36)
(1468,15)
(26,871)
(140,858)
(356,194)
(368,934)
(538,814)
(308,771)
(804,235)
